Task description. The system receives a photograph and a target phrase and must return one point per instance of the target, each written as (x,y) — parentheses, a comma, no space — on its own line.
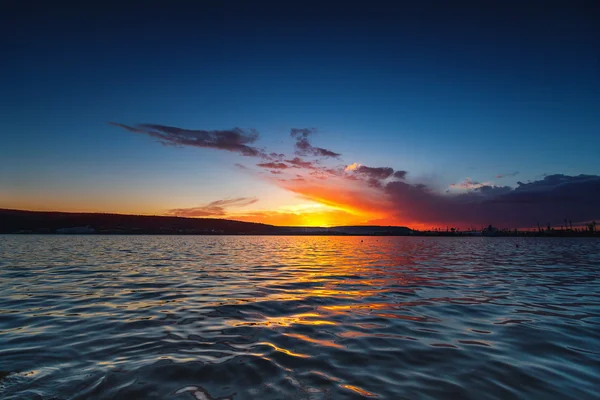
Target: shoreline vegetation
(46,222)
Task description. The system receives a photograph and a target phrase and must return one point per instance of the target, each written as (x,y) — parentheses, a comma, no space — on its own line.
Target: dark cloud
(276,156)
(549,200)
(400,174)
(352,178)
(374,182)
(215,209)
(333,171)
(305,148)
(302,132)
(492,191)
(240,166)
(500,176)
(276,171)
(300,163)
(234,140)
(273,165)
(376,173)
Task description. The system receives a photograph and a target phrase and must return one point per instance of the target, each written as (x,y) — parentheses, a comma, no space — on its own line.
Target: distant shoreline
(416,235)
(62,223)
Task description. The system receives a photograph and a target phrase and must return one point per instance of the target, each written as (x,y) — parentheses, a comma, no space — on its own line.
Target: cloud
(469,184)
(234,140)
(215,209)
(374,182)
(302,132)
(400,174)
(303,146)
(500,176)
(240,166)
(276,156)
(351,167)
(549,200)
(273,165)
(374,173)
(300,163)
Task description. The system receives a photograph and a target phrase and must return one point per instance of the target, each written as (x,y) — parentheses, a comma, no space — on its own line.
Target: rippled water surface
(218,317)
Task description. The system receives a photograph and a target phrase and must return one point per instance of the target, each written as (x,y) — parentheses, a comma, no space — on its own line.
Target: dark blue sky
(444,90)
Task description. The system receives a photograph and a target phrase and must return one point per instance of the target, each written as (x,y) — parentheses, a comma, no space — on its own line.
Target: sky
(419,114)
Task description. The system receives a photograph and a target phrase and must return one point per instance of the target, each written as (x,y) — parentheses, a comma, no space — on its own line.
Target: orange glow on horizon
(318,218)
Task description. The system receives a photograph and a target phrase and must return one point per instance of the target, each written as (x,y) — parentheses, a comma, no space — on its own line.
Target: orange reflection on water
(297,319)
(322,342)
(285,351)
(339,293)
(360,391)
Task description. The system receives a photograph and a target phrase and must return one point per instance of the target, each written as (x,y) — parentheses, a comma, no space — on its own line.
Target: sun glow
(303,214)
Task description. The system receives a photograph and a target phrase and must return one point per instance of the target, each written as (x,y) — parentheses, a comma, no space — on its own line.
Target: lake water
(240,317)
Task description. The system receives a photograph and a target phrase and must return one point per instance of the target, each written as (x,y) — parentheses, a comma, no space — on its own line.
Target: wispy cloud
(500,176)
(305,148)
(214,209)
(234,140)
(300,163)
(469,184)
(273,165)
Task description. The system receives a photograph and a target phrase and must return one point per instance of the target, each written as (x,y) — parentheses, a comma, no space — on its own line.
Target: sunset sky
(435,114)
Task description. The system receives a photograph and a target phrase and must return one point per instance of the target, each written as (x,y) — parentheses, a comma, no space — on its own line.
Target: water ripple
(122,317)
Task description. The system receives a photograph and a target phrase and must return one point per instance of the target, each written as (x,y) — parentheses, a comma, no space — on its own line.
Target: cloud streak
(500,176)
(217,208)
(300,163)
(469,184)
(273,165)
(235,140)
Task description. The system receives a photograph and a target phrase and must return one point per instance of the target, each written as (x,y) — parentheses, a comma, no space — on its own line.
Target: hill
(14,221)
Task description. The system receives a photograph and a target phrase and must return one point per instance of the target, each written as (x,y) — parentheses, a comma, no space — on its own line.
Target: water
(201,317)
